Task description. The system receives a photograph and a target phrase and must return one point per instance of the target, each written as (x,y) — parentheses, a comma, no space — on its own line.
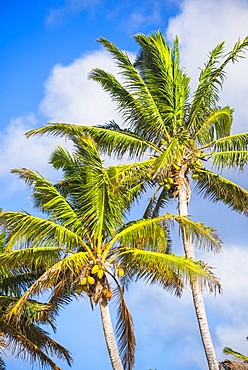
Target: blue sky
(47,49)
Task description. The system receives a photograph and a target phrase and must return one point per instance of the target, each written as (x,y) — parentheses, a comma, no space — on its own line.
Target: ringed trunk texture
(183,199)
(110,337)
(233,365)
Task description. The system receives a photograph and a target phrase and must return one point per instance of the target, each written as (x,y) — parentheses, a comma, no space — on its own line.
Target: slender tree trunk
(183,199)
(110,337)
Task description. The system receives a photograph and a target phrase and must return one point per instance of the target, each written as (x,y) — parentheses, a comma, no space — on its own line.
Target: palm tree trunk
(183,199)
(110,337)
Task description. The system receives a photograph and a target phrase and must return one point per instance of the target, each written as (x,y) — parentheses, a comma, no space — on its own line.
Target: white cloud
(201,25)
(70,97)
(17,151)
(231,307)
(69,9)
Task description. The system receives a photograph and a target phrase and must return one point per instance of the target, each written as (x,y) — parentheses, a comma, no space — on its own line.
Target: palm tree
(180,131)
(25,338)
(88,248)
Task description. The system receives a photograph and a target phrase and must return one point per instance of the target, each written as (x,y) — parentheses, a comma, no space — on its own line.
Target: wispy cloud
(145,13)
(70,9)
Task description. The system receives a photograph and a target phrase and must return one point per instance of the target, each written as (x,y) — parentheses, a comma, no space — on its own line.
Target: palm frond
(202,236)
(210,82)
(16,283)
(124,331)
(66,270)
(145,234)
(230,143)
(22,229)
(159,66)
(137,106)
(156,203)
(233,159)
(169,270)
(152,270)
(150,233)
(170,155)
(218,189)
(216,125)
(111,139)
(48,200)
(35,258)
(31,343)
(229,152)
(235,355)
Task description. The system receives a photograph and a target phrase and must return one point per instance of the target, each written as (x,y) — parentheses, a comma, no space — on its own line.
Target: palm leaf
(30,344)
(66,270)
(230,143)
(159,66)
(109,140)
(145,112)
(124,331)
(218,189)
(216,125)
(169,270)
(48,200)
(22,228)
(150,234)
(170,155)
(210,82)
(39,258)
(236,159)
(235,355)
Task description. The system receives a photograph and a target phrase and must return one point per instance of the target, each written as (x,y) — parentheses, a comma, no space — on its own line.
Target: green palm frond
(210,82)
(218,189)
(109,140)
(152,270)
(22,228)
(124,331)
(168,270)
(113,140)
(157,203)
(64,160)
(67,270)
(144,233)
(48,200)
(169,85)
(207,93)
(235,355)
(229,152)
(233,159)
(150,233)
(216,125)
(145,108)
(202,236)
(237,142)
(16,283)
(38,258)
